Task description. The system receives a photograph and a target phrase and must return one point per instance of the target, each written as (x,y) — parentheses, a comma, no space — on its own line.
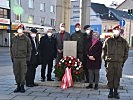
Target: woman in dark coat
(94,51)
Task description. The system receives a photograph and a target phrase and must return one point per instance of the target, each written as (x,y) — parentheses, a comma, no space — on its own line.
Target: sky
(107,2)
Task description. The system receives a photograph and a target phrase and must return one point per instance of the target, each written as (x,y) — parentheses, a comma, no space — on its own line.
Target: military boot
(116,94)
(22,90)
(17,89)
(110,93)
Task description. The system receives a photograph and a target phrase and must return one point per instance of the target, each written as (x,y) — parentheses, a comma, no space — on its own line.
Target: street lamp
(130,13)
(10,26)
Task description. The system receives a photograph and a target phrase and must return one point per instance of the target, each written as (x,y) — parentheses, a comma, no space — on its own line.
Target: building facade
(4,22)
(36,12)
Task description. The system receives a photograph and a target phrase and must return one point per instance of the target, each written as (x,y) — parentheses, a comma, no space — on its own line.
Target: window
(52,22)
(16,17)
(42,6)
(42,20)
(31,19)
(52,8)
(76,11)
(31,3)
(3,13)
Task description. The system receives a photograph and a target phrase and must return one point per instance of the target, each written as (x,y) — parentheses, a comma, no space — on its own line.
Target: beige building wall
(63,13)
(127,4)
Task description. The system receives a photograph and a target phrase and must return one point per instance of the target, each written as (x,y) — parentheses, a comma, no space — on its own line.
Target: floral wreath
(71,62)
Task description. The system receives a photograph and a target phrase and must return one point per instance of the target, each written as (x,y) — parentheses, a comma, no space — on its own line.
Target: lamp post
(10,26)
(130,31)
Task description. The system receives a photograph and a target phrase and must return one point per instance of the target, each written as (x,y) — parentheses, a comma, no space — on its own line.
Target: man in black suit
(33,63)
(48,53)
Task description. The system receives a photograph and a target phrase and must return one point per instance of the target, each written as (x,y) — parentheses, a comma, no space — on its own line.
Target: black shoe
(86,81)
(30,85)
(42,80)
(90,86)
(50,80)
(22,90)
(116,95)
(110,93)
(96,87)
(35,84)
(17,89)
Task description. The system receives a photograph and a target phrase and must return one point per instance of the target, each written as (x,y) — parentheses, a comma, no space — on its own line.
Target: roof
(120,14)
(121,4)
(103,12)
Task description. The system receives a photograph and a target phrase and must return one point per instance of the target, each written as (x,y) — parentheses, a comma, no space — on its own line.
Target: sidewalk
(51,91)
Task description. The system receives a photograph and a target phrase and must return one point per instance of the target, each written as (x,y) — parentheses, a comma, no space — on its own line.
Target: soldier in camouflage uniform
(115,53)
(20,53)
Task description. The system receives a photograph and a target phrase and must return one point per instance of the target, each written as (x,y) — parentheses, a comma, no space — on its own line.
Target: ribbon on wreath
(67,79)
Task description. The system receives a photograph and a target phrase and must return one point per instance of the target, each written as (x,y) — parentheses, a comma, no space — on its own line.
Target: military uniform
(20,53)
(115,55)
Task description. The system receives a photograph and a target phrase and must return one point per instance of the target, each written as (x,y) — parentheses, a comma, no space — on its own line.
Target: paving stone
(24,98)
(59,98)
(90,91)
(74,95)
(59,95)
(6,97)
(5,92)
(71,90)
(126,94)
(38,94)
(83,98)
(53,90)
(45,98)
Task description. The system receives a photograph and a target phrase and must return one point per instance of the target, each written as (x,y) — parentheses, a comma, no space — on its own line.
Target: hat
(86,26)
(117,27)
(20,26)
(77,24)
(33,30)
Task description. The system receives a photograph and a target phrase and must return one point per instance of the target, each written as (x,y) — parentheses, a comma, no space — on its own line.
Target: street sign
(122,22)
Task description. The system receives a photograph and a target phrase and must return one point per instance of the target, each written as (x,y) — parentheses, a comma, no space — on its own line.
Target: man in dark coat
(61,36)
(48,52)
(33,63)
(78,36)
(115,50)
(87,39)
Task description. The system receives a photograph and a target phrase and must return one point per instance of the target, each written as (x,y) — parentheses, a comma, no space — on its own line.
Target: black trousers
(50,67)
(30,75)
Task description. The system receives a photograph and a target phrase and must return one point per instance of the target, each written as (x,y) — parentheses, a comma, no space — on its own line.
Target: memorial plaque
(70,48)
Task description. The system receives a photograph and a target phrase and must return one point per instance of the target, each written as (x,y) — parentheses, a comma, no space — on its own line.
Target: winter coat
(47,48)
(78,36)
(66,37)
(95,51)
(115,50)
(34,52)
(21,47)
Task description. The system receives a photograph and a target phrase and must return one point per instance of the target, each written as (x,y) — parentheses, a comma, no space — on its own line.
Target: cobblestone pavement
(51,91)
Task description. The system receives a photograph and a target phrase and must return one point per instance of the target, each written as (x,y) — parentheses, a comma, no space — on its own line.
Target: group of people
(27,53)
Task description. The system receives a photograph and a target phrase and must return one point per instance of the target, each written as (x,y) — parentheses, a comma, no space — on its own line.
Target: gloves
(105,64)
(122,65)
(28,62)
